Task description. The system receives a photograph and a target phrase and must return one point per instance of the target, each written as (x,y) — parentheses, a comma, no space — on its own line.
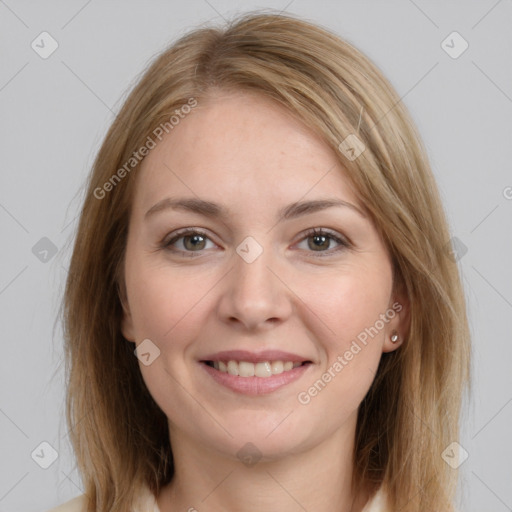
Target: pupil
(322,245)
(194,241)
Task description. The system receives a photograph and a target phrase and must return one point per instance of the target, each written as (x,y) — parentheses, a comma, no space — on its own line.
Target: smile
(262,369)
(244,378)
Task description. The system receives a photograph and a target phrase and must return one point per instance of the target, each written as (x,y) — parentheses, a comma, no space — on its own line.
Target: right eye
(191,241)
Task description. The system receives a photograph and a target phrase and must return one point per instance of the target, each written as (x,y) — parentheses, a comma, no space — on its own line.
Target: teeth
(277,367)
(233,368)
(245,369)
(262,369)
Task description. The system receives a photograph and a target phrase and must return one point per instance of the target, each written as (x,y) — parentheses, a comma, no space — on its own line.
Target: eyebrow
(214,210)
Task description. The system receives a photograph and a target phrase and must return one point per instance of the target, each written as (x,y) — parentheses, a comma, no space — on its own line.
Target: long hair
(411,412)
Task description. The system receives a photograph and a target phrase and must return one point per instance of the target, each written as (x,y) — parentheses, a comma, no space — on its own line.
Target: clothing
(377,503)
(147,503)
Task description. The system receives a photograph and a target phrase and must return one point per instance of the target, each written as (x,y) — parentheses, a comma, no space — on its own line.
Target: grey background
(55,112)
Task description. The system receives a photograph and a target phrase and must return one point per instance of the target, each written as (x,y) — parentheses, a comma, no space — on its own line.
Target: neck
(316,479)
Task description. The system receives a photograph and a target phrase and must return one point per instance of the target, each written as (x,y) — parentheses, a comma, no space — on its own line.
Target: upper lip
(255,357)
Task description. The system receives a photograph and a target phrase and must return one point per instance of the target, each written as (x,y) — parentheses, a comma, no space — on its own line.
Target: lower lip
(256,385)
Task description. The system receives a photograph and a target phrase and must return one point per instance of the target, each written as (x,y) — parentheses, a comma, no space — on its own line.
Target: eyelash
(167,245)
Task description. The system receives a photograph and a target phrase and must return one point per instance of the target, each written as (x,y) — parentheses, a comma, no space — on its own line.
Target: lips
(255,357)
(255,373)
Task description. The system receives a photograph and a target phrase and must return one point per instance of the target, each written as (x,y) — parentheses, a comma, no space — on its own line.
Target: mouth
(260,369)
(254,373)
(250,373)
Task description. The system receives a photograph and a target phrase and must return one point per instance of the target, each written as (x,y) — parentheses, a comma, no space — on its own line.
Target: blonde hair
(412,410)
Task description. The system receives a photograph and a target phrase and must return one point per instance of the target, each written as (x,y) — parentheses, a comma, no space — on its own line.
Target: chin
(273,434)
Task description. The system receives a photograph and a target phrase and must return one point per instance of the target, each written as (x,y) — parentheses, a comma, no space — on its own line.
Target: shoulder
(146,502)
(74,505)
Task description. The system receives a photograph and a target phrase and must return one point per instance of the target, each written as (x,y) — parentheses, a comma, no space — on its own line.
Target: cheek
(349,306)
(168,307)
(165,301)
(348,303)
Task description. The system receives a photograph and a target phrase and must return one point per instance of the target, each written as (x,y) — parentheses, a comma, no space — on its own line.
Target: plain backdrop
(56,110)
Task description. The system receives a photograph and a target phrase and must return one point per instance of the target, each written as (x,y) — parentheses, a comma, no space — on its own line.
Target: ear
(126,321)
(399,312)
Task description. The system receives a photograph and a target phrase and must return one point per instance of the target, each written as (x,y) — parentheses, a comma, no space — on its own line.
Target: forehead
(241,146)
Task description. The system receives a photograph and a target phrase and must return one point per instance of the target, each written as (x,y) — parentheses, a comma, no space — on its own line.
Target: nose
(254,296)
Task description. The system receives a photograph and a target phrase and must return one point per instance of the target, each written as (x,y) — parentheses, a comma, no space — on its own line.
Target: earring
(394,337)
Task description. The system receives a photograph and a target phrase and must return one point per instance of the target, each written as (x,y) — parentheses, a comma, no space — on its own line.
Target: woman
(260,312)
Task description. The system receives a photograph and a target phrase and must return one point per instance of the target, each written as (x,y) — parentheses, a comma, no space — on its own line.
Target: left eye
(320,241)
(317,240)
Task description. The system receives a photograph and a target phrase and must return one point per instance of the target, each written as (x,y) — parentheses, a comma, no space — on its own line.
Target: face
(249,252)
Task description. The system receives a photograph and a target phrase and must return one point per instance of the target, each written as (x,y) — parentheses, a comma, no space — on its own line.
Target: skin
(250,155)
